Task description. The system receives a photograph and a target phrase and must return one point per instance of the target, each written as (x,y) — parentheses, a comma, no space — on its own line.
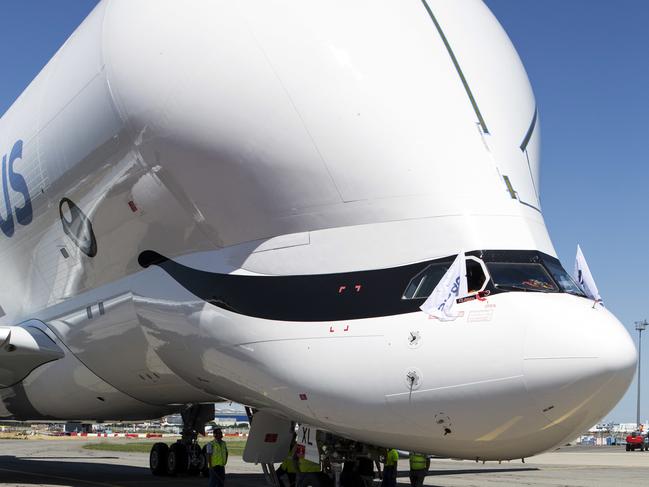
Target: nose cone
(577,365)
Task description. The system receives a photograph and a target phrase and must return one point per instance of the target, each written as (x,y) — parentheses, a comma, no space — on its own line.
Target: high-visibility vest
(392,458)
(307,466)
(289,463)
(417,461)
(219,455)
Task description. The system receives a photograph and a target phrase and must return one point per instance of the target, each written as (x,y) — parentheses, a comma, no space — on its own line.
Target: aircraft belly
(308,370)
(335,377)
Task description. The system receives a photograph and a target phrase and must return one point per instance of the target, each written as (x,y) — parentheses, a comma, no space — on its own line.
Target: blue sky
(588,63)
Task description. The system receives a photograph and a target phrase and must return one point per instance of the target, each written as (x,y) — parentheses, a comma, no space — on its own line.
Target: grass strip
(234,447)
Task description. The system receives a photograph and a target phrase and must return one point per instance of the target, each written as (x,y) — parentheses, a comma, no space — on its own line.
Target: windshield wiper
(514,287)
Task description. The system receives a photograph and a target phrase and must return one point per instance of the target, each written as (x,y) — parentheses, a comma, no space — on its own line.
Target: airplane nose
(578,362)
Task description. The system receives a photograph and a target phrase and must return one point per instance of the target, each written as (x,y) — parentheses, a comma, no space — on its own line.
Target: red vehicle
(634,441)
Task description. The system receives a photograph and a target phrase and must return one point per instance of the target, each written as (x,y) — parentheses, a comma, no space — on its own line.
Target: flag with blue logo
(452,286)
(584,278)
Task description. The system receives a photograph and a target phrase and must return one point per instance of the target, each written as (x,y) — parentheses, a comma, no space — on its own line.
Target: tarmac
(63,463)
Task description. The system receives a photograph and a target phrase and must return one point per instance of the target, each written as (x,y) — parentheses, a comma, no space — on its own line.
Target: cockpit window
(521,277)
(563,278)
(422,285)
(494,271)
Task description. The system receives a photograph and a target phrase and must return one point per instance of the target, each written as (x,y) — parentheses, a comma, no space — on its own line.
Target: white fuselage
(332,142)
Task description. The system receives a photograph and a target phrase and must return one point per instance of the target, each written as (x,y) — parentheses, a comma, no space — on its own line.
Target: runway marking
(48,476)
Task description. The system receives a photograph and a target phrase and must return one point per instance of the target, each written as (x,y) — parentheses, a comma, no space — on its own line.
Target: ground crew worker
(390,470)
(307,470)
(289,466)
(419,465)
(217,458)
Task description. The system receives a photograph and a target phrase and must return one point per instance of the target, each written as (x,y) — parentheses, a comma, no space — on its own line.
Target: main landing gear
(186,455)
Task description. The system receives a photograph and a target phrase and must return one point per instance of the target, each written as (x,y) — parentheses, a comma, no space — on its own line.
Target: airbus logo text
(14,189)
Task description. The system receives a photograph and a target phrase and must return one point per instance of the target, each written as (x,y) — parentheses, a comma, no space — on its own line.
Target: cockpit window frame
(423,273)
(485,272)
(547,263)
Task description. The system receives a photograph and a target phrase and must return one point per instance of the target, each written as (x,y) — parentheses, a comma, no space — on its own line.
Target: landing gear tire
(204,467)
(158,459)
(197,460)
(177,459)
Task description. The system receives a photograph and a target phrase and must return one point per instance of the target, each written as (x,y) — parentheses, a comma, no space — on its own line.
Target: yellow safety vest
(289,464)
(307,466)
(219,455)
(417,461)
(392,458)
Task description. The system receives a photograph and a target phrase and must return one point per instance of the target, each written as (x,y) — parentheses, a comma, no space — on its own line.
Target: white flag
(584,278)
(451,287)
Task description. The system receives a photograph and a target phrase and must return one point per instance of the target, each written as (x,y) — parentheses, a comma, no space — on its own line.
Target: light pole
(639,325)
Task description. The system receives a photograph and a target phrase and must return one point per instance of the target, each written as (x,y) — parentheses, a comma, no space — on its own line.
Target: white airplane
(250,201)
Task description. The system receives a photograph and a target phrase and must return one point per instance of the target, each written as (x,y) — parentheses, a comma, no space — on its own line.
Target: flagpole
(640,326)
